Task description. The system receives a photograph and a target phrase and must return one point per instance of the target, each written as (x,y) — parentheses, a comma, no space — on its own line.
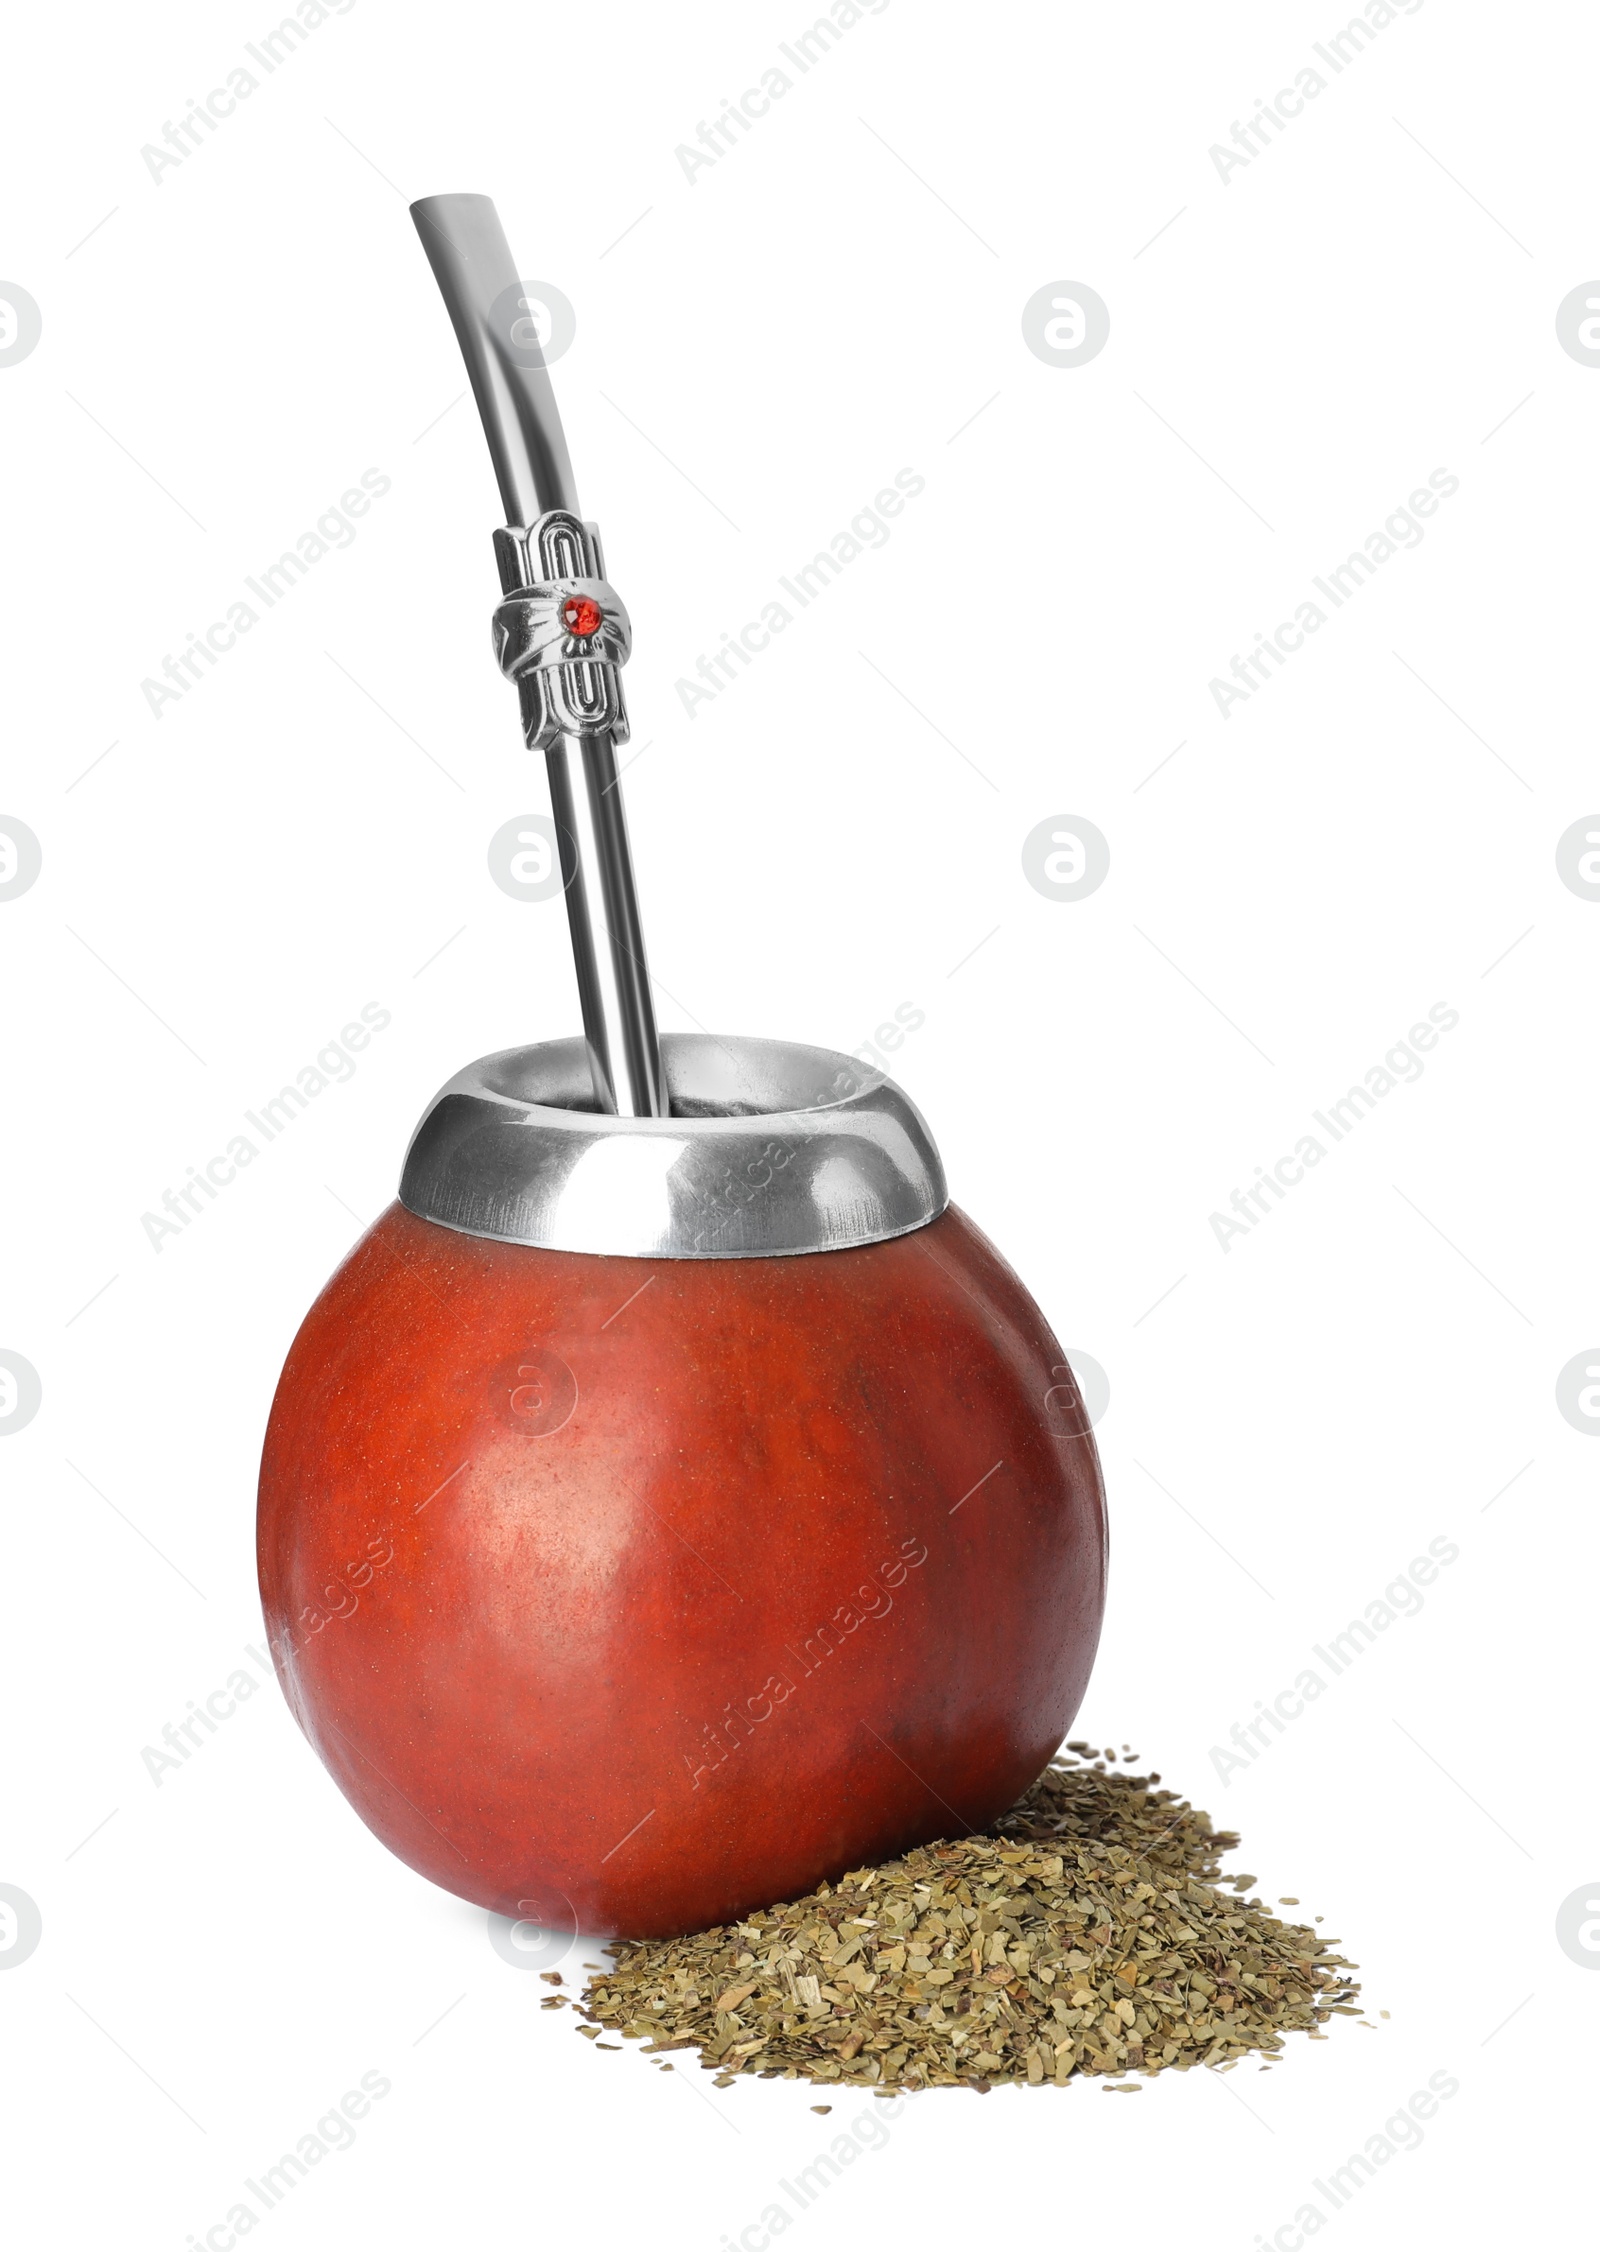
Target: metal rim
(772,1150)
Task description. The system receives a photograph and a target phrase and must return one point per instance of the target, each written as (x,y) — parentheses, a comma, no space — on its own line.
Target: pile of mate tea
(1090,1934)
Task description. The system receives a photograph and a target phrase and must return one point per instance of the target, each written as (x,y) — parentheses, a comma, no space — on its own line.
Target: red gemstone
(581,615)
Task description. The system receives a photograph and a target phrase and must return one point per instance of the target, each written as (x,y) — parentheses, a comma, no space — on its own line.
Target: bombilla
(562,634)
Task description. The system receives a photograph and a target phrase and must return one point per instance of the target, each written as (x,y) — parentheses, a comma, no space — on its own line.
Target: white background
(1374,832)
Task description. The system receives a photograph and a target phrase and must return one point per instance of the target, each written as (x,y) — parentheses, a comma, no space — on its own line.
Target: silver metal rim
(772,1150)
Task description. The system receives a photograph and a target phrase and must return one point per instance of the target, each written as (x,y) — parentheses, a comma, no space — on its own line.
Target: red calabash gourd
(631,1595)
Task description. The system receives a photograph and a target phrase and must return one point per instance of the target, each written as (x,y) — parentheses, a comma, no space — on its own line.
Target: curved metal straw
(471,261)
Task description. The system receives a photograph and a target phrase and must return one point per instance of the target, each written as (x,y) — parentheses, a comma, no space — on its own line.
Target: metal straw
(472,264)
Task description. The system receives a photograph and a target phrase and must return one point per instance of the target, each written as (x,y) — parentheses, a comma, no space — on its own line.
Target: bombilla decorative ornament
(562,635)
